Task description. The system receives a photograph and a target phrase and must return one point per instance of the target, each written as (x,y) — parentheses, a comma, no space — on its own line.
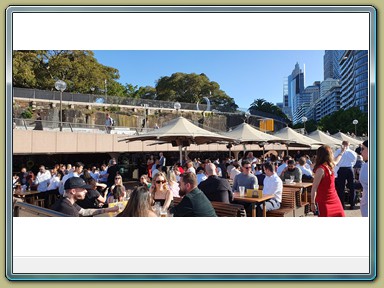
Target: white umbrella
(324,138)
(344,137)
(296,139)
(247,134)
(181,132)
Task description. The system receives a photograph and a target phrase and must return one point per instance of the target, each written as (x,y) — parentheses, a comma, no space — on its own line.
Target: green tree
(342,121)
(40,69)
(267,107)
(191,88)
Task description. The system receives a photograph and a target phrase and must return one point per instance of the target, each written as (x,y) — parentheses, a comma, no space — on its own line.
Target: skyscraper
(295,87)
(354,79)
(331,64)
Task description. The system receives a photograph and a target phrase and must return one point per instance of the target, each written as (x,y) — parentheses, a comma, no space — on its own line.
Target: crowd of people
(200,182)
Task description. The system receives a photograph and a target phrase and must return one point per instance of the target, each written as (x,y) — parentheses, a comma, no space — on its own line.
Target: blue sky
(244,75)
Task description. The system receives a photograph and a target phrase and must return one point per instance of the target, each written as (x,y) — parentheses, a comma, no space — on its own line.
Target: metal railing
(30,124)
(34,94)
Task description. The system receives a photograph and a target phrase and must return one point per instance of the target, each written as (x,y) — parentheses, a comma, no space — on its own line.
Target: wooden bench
(222,209)
(22,209)
(288,205)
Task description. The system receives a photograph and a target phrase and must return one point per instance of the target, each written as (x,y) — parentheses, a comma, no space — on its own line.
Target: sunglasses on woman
(160,181)
(117,178)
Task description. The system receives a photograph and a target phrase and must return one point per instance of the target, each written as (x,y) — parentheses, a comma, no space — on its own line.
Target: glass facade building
(354,79)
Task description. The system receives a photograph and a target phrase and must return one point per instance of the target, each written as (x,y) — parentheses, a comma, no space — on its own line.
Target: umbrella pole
(181,154)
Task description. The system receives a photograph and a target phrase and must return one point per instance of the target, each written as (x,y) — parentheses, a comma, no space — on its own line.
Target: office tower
(331,64)
(354,79)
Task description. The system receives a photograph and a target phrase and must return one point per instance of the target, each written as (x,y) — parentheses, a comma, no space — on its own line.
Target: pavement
(348,213)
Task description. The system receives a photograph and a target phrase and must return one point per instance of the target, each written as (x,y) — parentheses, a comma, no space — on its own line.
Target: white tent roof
(324,138)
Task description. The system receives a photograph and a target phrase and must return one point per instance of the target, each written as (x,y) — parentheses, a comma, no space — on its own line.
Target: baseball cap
(76,182)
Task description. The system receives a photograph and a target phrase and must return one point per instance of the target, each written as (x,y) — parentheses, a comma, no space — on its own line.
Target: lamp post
(304,119)
(177,107)
(355,122)
(61,86)
(145,116)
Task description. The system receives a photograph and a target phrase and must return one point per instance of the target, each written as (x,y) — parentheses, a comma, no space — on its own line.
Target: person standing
(344,173)
(194,202)
(38,123)
(42,179)
(162,162)
(363,178)
(323,191)
(108,123)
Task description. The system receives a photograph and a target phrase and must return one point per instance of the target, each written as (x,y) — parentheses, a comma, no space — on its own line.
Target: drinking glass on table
(255,187)
(241,190)
(163,212)
(292,178)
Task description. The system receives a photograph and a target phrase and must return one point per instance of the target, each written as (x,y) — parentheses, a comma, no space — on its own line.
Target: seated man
(272,186)
(245,178)
(216,188)
(307,173)
(291,170)
(75,189)
(194,203)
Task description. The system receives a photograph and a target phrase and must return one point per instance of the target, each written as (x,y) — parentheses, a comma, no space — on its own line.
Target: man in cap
(76,189)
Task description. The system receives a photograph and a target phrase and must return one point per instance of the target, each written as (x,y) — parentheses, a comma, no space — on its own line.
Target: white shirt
(281,168)
(304,170)
(348,159)
(54,183)
(42,180)
(201,177)
(273,186)
(363,178)
(65,178)
(192,170)
(234,172)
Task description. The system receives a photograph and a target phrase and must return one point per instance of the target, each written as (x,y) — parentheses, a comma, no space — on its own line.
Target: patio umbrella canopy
(324,138)
(181,132)
(247,134)
(295,139)
(344,137)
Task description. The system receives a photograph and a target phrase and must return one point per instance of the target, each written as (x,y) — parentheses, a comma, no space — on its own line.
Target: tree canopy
(191,88)
(267,107)
(40,69)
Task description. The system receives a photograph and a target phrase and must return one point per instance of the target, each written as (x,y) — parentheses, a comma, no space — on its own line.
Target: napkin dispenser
(252,193)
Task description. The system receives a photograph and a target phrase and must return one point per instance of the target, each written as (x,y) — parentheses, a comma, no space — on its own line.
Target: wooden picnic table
(304,185)
(253,201)
(23,194)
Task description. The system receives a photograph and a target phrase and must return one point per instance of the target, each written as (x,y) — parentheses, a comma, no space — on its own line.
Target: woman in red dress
(323,191)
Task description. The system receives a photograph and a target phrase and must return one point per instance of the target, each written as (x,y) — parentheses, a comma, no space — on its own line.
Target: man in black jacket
(194,202)
(216,188)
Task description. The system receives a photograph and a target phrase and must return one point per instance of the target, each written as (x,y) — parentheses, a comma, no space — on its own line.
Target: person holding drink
(139,204)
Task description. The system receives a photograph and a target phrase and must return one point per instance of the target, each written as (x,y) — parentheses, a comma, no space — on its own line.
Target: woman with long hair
(172,183)
(160,190)
(323,191)
(118,193)
(139,204)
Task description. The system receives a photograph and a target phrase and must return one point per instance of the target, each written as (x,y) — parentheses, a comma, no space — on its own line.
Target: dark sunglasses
(160,181)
